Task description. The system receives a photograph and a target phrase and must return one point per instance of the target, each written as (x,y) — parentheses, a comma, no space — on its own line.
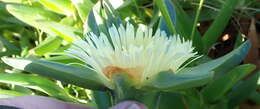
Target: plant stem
(196,19)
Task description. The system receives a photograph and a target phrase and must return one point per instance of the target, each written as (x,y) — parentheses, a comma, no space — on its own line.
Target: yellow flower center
(133,73)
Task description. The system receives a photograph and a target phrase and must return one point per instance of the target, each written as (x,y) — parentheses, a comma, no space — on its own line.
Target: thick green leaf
(44,20)
(6,17)
(170,100)
(169,81)
(224,63)
(79,76)
(112,17)
(60,6)
(34,82)
(22,89)
(184,27)
(163,26)
(243,90)
(168,13)
(70,21)
(255,96)
(102,99)
(91,24)
(10,47)
(100,18)
(10,93)
(218,88)
(31,15)
(48,45)
(124,89)
(193,99)
(3,11)
(68,33)
(150,99)
(11,1)
(83,8)
(64,59)
(96,21)
(201,74)
(219,24)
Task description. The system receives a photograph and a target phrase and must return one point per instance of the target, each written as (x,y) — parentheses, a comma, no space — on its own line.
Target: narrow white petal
(138,53)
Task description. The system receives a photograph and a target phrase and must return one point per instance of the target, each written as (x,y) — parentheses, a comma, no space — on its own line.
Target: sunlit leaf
(34,82)
(83,7)
(31,15)
(10,93)
(48,45)
(60,6)
(79,76)
(68,33)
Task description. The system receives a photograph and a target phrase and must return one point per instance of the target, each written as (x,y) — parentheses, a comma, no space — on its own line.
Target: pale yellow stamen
(134,73)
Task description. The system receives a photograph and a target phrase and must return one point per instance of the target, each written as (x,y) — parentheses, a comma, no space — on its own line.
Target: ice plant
(138,53)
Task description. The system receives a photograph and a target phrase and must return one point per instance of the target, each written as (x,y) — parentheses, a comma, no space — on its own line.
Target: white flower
(140,54)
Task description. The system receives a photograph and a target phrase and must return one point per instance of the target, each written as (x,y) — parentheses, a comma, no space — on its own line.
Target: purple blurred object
(129,105)
(39,102)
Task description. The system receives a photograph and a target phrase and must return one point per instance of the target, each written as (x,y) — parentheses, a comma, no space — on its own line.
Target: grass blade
(218,26)
(168,13)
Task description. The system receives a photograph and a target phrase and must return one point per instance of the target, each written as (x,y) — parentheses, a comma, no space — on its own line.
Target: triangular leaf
(169,81)
(220,86)
(79,76)
(223,63)
(34,82)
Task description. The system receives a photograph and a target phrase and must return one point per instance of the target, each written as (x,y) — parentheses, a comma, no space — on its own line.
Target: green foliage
(60,6)
(34,82)
(217,88)
(224,63)
(102,99)
(215,30)
(67,33)
(48,45)
(201,74)
(10,93)
(83,8)
(31,15)
(184,27)
(170,82)
(80,76)
(241,91)
(168,13)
